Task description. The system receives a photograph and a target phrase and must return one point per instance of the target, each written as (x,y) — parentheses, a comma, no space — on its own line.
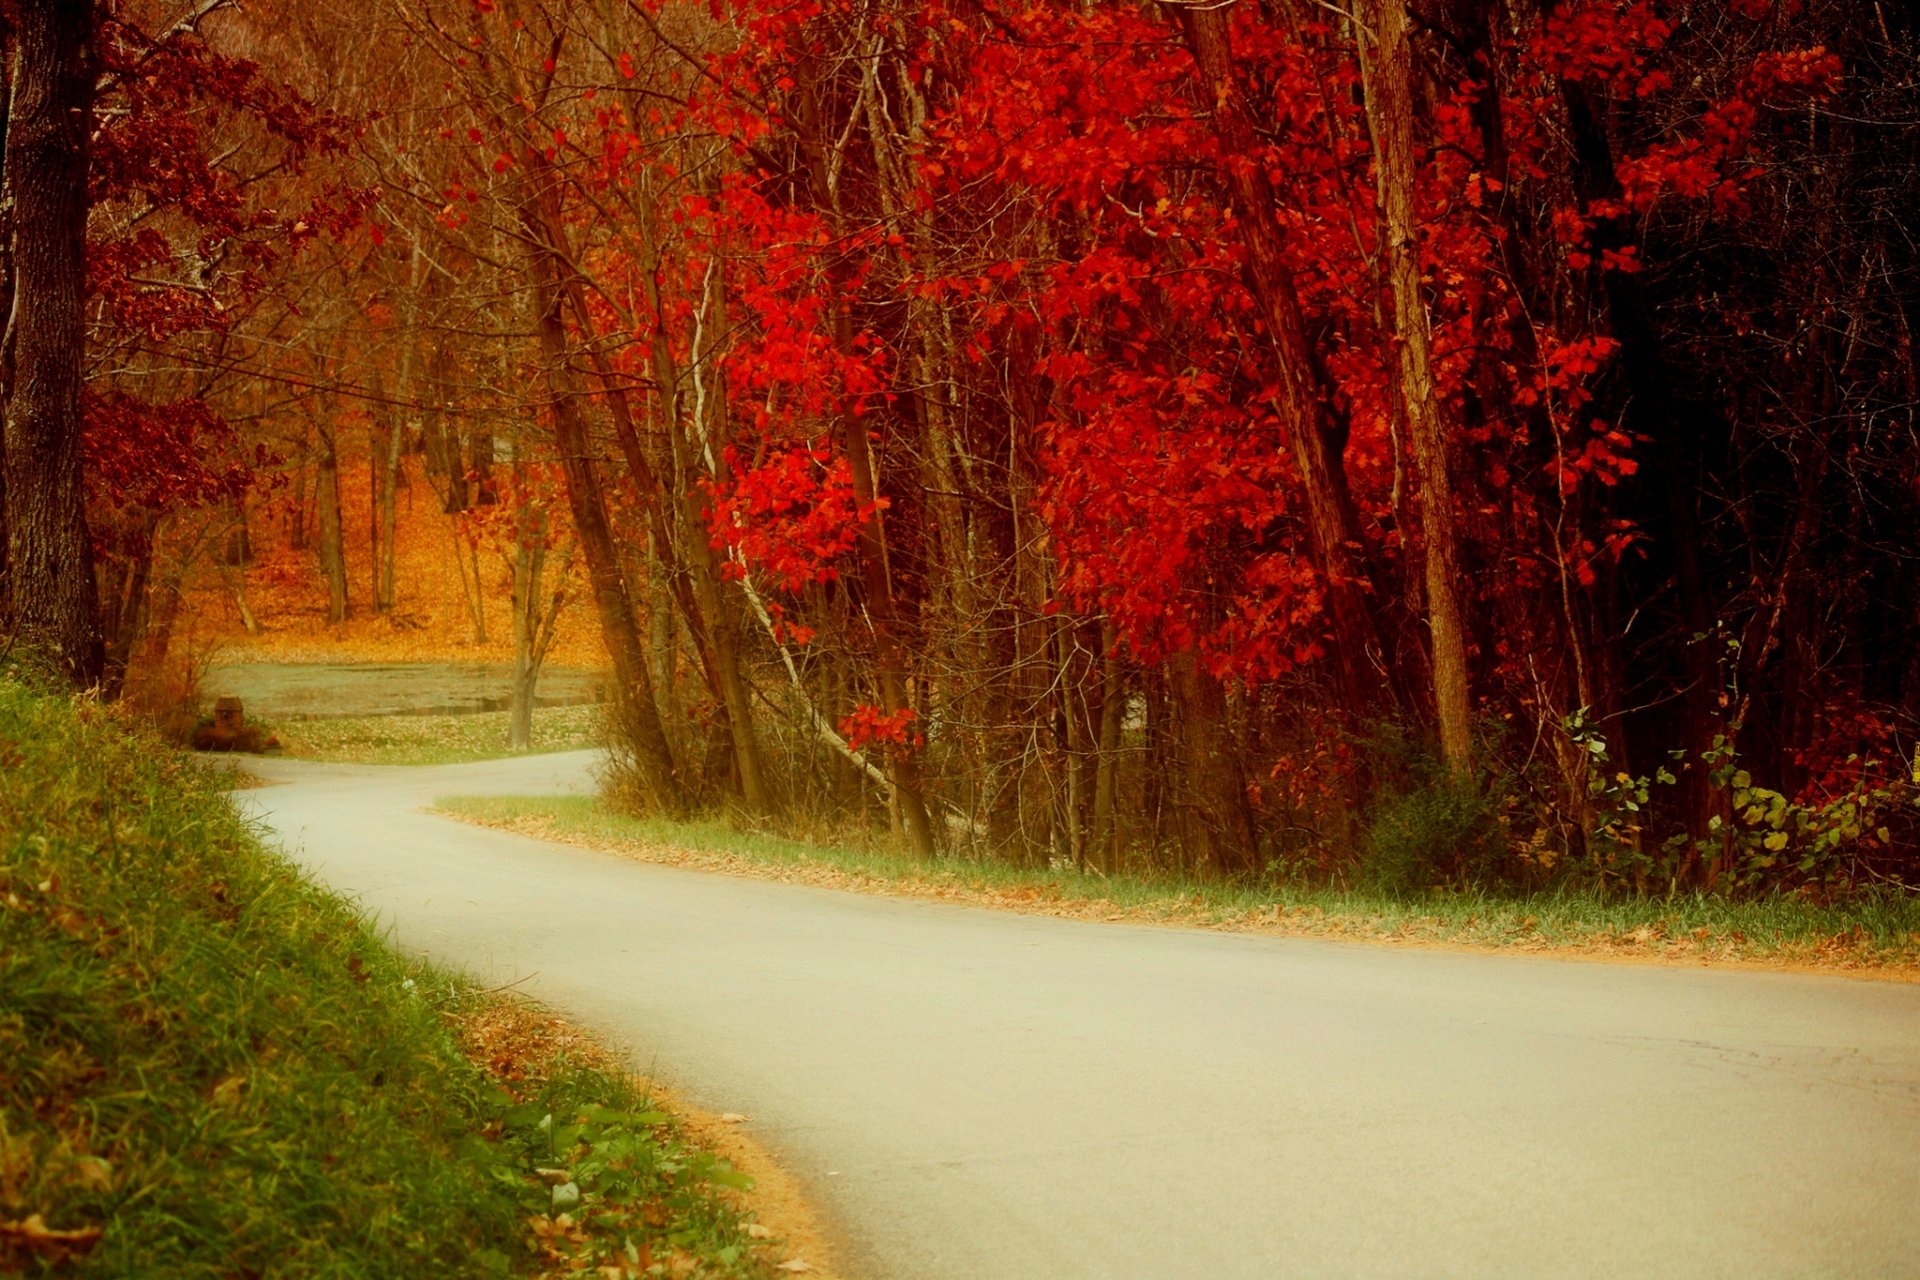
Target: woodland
(1421,442)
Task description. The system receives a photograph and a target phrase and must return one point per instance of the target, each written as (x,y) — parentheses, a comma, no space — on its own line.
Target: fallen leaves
(514,1040)
(32,1236)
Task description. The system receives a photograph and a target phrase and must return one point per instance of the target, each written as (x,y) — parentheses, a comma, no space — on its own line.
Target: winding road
(976,1094)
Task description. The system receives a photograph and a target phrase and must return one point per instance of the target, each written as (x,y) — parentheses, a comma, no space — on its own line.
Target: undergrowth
(210,1067)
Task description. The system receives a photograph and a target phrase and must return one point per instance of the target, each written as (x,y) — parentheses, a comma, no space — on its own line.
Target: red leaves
(790,517)
(146,459)
(1064,212)
(867,726)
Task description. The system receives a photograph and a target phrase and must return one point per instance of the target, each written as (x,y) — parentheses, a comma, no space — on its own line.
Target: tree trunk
(123,585)
(903,767)
(1318,438)
(529,567)
(297,513)
(393,419)
(1217,829)
(722,623)
(380,436)
(618,625)
(1113,709)
(6,324)
(54,600)
(333,556)
(1389,84)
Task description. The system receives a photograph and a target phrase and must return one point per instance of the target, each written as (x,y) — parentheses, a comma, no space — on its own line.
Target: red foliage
(792,516)
(188,239)
(161,458)
(868,726)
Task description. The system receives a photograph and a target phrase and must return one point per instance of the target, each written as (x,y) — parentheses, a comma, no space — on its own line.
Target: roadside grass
(1877,932)
(434,739)
(210,1067)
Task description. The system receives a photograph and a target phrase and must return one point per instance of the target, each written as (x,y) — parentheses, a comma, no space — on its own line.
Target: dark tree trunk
(333,556)
(1217,827)
(1113,710)
(380,439)
(534,619)
(619,627)
(1318,437)
(876,577)
(55,603)
(6,311)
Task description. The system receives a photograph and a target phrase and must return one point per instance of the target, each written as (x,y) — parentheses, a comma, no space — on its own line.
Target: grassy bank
(1876,933)
(434,739)
(210,1067)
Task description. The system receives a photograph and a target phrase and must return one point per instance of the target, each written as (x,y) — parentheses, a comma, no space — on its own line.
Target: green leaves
(1753,832)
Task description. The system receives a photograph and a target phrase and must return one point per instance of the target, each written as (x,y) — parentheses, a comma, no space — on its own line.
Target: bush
(1436,832)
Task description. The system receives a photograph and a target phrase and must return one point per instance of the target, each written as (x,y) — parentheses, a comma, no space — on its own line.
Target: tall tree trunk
(1318,438)
(1113,709)
(395,421)
(1389,85)
(619,627)
(889,655)
(6,324)
(380,435)
(55,602)
(123,603)
(1217,829)
(333,556)
(532,627)
(722,623)
(890,659)
(297,512)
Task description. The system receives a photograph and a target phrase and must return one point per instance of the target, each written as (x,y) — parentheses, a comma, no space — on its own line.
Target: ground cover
(1876,933)
(433,739)
(211,1067)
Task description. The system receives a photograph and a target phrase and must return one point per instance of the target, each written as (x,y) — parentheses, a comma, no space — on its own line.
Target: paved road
(974,1094)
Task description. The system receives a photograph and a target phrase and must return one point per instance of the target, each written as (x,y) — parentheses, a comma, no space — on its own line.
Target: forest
(1419,442)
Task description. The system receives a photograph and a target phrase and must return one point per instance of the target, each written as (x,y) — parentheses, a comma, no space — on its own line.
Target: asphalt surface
(976,1094)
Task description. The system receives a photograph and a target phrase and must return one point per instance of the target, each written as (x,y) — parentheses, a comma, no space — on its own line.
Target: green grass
(210,1067)
(434,739)
(1872,931)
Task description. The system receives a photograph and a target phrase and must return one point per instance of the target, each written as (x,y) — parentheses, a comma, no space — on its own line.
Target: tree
(1389,86)
(49,555)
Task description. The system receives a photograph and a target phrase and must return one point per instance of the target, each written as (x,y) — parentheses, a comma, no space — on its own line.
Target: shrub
(1435,832)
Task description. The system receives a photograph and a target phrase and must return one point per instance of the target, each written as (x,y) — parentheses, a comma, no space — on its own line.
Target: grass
(210,1067)
(1875,932)
(434,739)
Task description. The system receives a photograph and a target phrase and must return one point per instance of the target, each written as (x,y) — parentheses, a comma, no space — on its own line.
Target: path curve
(973,1094)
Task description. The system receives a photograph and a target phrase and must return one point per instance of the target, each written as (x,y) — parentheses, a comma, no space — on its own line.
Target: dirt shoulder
(514,1039)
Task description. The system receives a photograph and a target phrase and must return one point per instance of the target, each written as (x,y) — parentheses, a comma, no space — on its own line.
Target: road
(976,1094)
